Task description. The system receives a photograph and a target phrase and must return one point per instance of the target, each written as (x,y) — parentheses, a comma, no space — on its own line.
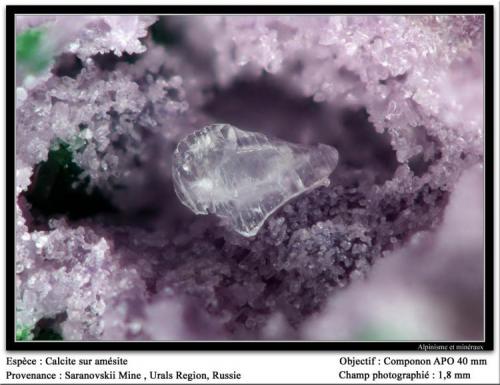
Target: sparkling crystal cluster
(105,249)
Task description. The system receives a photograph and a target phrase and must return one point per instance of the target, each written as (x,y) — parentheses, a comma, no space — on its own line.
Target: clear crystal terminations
(243,177)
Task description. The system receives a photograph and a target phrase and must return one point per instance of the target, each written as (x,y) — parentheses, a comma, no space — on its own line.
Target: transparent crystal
(243,177)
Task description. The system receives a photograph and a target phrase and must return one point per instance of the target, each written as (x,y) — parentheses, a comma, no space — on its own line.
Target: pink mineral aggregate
(391,248)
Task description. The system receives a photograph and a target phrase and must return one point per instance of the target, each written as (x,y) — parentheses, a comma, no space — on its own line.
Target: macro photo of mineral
(249,177)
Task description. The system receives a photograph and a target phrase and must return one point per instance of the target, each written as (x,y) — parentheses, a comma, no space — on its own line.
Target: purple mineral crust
(400,97)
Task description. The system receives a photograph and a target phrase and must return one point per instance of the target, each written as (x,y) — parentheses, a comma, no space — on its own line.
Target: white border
(265,367)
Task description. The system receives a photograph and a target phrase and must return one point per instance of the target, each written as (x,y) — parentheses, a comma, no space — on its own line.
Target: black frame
(12,344)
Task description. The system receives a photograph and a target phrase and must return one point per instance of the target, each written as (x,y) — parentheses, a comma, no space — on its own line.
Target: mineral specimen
(401,97)
(244,177)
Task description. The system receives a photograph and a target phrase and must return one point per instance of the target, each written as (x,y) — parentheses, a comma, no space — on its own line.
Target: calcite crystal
(243,177)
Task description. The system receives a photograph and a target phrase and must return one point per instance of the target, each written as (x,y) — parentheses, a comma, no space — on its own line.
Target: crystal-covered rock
(243,177)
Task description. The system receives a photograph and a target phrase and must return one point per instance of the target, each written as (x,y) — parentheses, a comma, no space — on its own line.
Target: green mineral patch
(58,186)
(162,33)
(47,334)
(31,51)
(23,333)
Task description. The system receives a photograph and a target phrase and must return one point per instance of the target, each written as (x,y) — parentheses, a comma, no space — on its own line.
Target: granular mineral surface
(390,249)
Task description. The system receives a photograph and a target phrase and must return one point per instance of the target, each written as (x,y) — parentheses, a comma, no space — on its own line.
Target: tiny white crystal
(243,177)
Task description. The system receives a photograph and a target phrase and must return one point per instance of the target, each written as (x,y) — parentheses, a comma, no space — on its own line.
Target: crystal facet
(243,177)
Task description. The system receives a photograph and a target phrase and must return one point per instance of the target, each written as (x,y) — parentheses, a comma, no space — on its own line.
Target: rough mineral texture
(244,177)
(106,251)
